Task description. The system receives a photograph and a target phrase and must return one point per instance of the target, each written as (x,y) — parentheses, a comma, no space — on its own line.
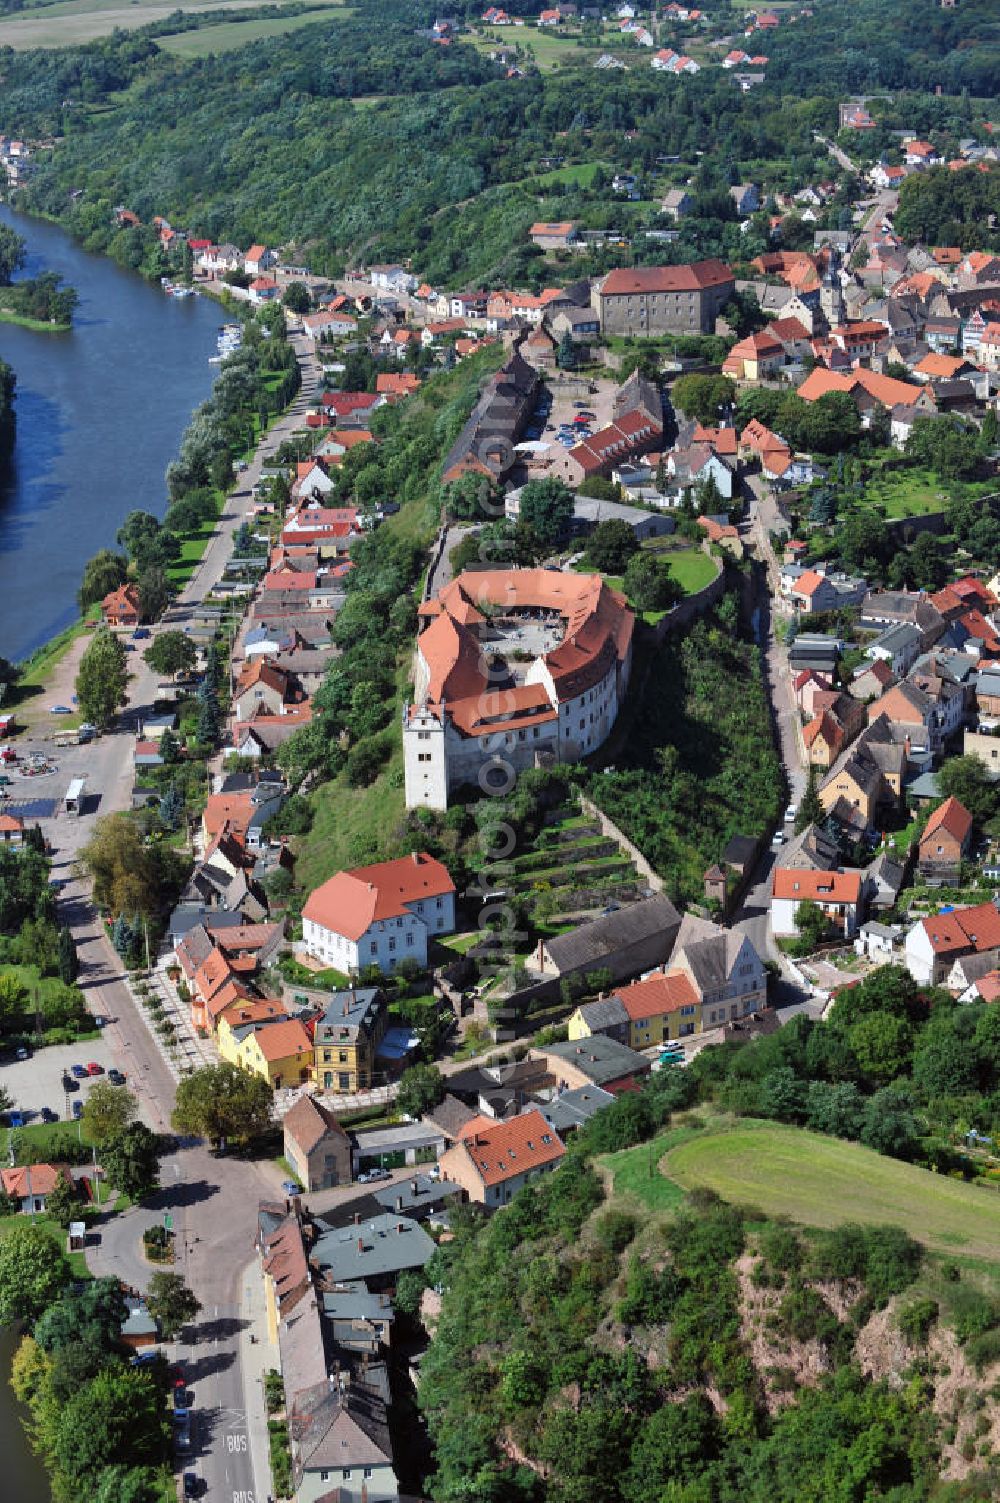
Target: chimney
(357,1218)
(399,1202)
(416,858)
(399,1228)
(361,1244)
(413,1186)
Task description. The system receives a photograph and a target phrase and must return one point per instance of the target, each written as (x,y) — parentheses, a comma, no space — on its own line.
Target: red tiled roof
(350,902)
(817,887)
(34,1179)
(694,278)
(951,817)
(663,992)
(975,929)
(511,1148)
(280,1040)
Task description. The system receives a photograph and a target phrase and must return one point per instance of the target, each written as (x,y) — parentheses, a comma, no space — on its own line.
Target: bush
(916,1319)
(615,1230)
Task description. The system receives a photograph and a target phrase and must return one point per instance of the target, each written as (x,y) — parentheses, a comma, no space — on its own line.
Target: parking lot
(566,395)
(38,1081)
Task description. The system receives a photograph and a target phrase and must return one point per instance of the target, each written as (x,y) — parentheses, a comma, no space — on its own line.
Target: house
(263,290)
(258,260)
(340,1442)
(758,357)
(12,830)
(595,1061)
(346,1038)
(871,683)
(927,714)
(377,915)
(878,942)
(677,203)
(896,649)
(392,278)
(30,1185)
(559,235)
(316,1146)
(934,944)
(944,842)
(836,893)
(806,685)
(664,299)
(633,939)
(986,748)
(121,607)
(281,1051)
(746,197)
(493,1163)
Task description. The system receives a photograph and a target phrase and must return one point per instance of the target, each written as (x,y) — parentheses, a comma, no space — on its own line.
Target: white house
(32,1184)
(934,944)
(379,915)
(878,942)
(392,278)
(837,894)
(258,260)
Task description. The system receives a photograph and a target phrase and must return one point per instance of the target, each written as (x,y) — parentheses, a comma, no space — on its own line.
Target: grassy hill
(825,1182)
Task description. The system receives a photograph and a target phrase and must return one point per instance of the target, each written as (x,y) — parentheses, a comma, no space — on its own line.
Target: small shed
(139,1329)
(76,1240)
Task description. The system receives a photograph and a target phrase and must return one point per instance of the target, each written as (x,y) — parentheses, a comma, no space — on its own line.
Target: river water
(100,413)
(24,1477)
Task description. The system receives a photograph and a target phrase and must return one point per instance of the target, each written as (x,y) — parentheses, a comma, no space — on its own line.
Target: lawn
(907,493)
(73,22)
(549,48)
(77,1260)
(351,826)
(42,1135)
(822,1181)
(228,35)
(691,569)
(581,175)
(635,1174)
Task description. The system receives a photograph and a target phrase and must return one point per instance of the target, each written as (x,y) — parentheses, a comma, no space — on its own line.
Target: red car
(93,1068)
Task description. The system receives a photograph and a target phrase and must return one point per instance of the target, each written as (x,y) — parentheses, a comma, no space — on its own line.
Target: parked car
(191,1484)
(93,1068)
(69,1084)
(778,840)
(77,1110)
(60,710)
(372,1175)
(291,1187)
(23,1052)
(17,1119)
(790,813)
(116,1077)
(48,1115)
(79,1071)
(140,634)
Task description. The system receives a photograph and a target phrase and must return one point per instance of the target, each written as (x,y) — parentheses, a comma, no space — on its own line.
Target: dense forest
(265,143)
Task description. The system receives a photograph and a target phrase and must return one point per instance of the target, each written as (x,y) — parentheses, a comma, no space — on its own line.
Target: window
(409,939)
(423,735)
(687,1012)
(346,1474)
(392,945)
(342,1057)
(439,903)
(324,1476)
(367,1473)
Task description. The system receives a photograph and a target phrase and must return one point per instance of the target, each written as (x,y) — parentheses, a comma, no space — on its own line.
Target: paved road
(213,1202)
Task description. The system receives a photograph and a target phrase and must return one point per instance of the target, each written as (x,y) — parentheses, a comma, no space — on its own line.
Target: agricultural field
(72,22)
(228,35)
(821,1181)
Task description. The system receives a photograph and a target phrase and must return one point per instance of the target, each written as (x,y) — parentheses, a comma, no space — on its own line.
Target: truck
(74,796)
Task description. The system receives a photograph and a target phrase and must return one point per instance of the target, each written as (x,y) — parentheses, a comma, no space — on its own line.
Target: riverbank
(21,321)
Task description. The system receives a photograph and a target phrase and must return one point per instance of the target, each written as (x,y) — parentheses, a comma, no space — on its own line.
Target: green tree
(208,715)
(812,924)
(421,1087)
(611,545)
(296,297)
(101,575)
(118,1416)
(33,1272)
(108,1110)
(13,250)
(121,867)
(703,397)
(566,357)
(62,1203)
(69,964)
(171,653)
(130,1158)
(547,508)
(171,1303)
(102,679)
(154,592)
(223,1102)
(965,778)
(810,811)
(883,1046)
(648,585)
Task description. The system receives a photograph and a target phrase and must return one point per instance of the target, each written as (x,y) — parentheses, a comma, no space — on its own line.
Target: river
(100,413)
(24,1477)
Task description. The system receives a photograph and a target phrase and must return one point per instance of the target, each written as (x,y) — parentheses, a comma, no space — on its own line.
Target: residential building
(934,944)
(30,1185)
(281,1051)
(379,915)
(465,725)
(341,1446)
(12,831)
(944,842)
(836,893)
(550,236)
(664,299)
(316,1146)
(596,1061)
(121,607)
(986,748)
(346,1038)
(898,647)
(493,1163)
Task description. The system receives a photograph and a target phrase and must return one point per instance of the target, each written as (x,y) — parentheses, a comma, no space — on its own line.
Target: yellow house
(233,1024)
(857,782)
(347,1037)
(664,1006)
(282,1052)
